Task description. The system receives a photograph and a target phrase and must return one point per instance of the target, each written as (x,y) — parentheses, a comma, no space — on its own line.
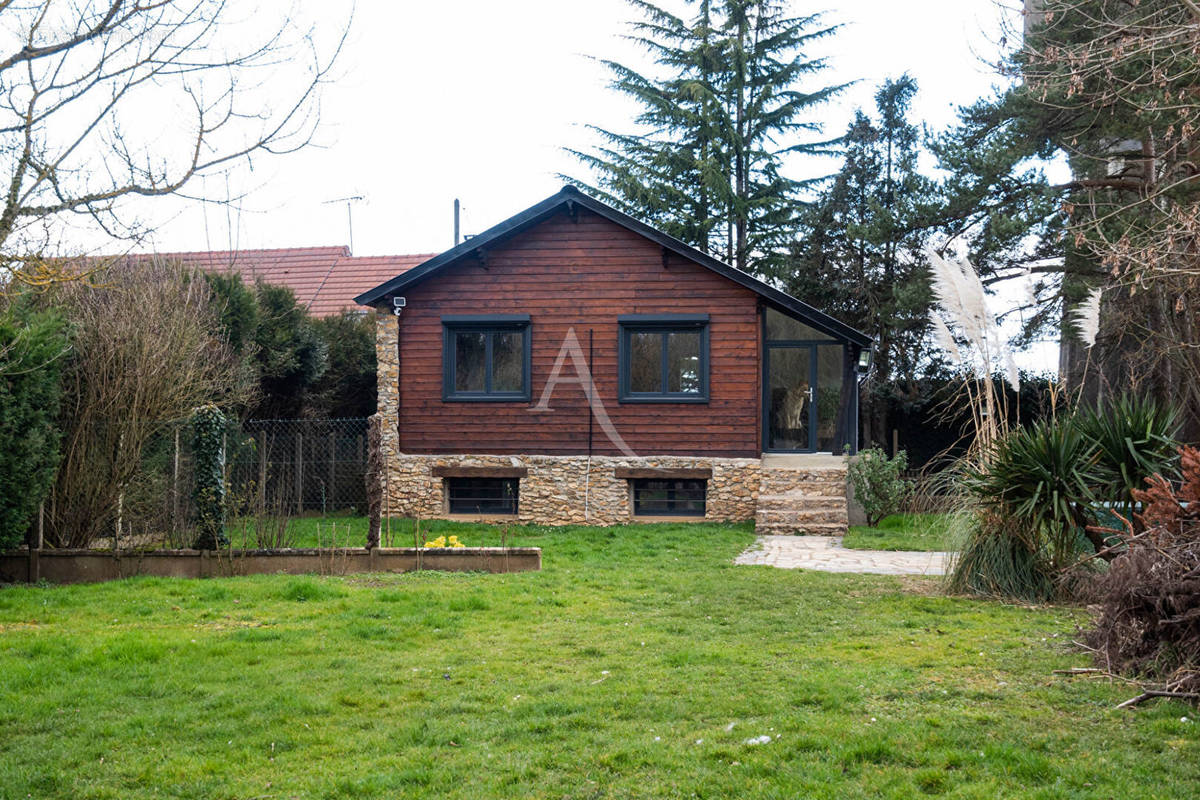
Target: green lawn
(347,531)
(902,532)
(638,663)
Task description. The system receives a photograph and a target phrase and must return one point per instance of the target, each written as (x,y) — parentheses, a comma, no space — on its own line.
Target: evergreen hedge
(32,344)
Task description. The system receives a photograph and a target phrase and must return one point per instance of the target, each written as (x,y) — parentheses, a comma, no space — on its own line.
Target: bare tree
(105,101)
(147,349)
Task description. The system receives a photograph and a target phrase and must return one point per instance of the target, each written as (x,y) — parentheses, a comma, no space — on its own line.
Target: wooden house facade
(573,364)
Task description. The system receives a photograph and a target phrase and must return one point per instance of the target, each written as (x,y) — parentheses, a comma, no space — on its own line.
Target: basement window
(669,497)
(491,496)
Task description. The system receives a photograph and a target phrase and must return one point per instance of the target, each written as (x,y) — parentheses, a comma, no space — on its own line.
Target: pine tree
(1108,86)
(859,256)
(718,124)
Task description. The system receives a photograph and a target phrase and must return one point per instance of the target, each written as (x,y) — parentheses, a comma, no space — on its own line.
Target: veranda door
(790,419)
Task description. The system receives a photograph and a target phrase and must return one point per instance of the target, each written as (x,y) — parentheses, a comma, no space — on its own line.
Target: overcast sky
(475,99)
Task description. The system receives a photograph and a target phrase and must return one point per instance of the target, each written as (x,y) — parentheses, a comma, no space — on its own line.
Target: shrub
(208,467)
(1044,486)
(1040,478)
(1149,622)
(347,387)
(290,353)
(32,345)
(877,483)
(146,350)
(1135,439)
(1000,559)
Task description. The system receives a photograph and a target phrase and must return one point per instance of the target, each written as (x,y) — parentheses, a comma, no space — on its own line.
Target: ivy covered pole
(208,490)
(374,478)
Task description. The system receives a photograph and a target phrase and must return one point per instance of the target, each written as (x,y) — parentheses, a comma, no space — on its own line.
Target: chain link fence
(273,468)
(300,465)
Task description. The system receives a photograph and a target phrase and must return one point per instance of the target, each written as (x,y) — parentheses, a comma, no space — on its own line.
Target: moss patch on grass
(640,662)
(923,532)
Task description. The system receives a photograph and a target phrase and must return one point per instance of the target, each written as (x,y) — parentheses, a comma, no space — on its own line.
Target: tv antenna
(349,201)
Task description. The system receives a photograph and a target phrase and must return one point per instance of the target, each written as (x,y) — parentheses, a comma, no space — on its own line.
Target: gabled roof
(324,279)
(570,197)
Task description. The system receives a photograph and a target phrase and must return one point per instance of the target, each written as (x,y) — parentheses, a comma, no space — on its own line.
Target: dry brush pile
(1149,622)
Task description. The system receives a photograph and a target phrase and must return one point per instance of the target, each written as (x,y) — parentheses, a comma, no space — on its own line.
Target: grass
(901,532)
(637,663)
(343,530)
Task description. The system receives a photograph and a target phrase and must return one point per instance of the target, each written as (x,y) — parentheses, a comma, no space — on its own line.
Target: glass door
(790,392)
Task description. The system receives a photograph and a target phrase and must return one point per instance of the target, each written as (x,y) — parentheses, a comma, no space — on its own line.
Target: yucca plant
(1040,477)
(1135,439)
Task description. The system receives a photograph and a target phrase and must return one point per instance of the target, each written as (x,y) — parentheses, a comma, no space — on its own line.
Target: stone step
(823,493)
(812,489)
(793,479)
(809,512)
(784,488)
(798,499)
(810,529)
(801,514)
(793,519)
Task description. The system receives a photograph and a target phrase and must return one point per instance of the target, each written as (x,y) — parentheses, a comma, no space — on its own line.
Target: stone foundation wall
(563,490)
(387,381)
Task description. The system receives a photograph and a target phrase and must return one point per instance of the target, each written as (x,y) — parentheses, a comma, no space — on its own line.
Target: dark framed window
(485,358)
(663,358)
(482,495)
(669,497)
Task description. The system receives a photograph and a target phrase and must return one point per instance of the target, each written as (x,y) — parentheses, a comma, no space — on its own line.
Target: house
(572,364)
(324,279)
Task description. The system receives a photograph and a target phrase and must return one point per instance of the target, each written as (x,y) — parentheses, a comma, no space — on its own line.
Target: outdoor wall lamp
(864,361)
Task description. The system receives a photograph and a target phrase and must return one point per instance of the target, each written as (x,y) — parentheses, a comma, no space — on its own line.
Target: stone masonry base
(571,490)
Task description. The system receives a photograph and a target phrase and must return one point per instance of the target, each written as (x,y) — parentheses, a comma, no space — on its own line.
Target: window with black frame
(669,497)
(485,358)
(663,358)
(482,495)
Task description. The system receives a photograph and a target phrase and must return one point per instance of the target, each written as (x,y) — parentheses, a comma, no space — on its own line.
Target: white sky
(475,99)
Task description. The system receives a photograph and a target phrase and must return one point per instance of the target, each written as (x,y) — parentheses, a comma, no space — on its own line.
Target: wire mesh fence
(303,465)
(274,470)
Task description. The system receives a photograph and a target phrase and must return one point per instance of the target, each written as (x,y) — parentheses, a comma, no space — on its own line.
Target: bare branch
(103,101)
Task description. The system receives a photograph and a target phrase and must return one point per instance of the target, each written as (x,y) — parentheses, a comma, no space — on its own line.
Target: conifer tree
(859,254)
(1109,87)
(730,105)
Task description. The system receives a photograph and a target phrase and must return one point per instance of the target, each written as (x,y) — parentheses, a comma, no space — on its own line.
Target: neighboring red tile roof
(325,279)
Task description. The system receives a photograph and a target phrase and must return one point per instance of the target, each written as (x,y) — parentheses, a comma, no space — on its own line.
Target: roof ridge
(393,255)
(339,249)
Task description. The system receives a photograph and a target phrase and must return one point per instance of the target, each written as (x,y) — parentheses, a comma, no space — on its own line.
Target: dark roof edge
(570,194)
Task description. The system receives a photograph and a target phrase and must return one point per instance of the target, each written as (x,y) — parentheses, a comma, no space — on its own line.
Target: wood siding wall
(581,274)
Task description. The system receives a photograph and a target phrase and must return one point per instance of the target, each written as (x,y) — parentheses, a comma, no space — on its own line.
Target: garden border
(87,566)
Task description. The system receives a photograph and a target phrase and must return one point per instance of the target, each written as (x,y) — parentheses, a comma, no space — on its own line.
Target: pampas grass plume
(1087,317)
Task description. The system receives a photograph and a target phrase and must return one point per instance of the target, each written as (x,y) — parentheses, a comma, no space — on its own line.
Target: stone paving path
(826,553)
